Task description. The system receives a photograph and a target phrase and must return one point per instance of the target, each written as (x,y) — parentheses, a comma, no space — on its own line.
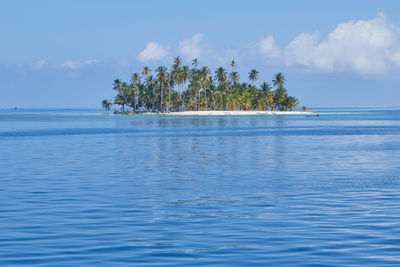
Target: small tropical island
(185,90)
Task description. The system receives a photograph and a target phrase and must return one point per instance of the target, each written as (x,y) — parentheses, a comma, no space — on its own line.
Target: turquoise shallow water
(81,188)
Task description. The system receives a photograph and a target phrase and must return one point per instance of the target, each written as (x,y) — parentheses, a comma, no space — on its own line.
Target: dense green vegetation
(192,88)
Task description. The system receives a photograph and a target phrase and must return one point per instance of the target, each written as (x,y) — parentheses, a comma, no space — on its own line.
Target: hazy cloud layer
(38,65)
(73,65)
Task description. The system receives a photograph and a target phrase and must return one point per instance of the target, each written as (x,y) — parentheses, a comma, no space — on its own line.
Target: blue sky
(67,53)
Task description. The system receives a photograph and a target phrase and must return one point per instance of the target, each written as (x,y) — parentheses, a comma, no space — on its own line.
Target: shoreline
(229,113)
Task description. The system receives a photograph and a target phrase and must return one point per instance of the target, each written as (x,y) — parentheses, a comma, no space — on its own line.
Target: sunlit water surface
(78,187)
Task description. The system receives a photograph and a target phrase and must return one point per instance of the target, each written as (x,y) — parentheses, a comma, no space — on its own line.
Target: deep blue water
(81,188)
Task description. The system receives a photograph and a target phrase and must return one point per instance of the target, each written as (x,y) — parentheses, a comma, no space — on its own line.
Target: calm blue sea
(78,187)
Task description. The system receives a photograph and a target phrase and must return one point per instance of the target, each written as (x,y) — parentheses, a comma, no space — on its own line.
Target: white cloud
(153,51)
(73,65)
(371,46)
(267,47)
(190,48)
(91,61)
(39,64)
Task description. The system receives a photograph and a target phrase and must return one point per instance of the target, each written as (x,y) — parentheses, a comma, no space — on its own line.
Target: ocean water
(79,188)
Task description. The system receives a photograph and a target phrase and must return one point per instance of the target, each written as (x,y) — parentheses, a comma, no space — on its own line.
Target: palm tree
(234,76)
(266,87)
(233,65)
(247,99)
(290,103)
(135,78)
(280,96)
(279,80)
(185,76)
(220,74)
(106,104)
(204,72)
(195,63)
(177,62)
(171,83)
(253,75)
(146,72)
(162,76)
(118,100)
(177,78)
(122,93)
(125,94)
(195,85)
(117,85)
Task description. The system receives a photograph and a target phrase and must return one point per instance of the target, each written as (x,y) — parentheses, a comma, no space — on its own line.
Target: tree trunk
(161,97)
(205,96)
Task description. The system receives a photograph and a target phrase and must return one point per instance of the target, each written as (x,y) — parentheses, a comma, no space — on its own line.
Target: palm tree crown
(279,80)
(253,75)
(146,72)
(233,65)
(266,87)
(234,76)
(135,78)
(220,74)
(195,63)
(177,62)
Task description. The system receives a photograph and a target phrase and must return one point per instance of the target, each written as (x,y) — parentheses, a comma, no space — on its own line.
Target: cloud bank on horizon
(73,65)
(363,46)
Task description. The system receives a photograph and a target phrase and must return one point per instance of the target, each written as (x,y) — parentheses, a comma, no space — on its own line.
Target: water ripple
(168,191)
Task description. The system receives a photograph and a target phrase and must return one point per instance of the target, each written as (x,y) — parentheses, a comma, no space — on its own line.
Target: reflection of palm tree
(253,75)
